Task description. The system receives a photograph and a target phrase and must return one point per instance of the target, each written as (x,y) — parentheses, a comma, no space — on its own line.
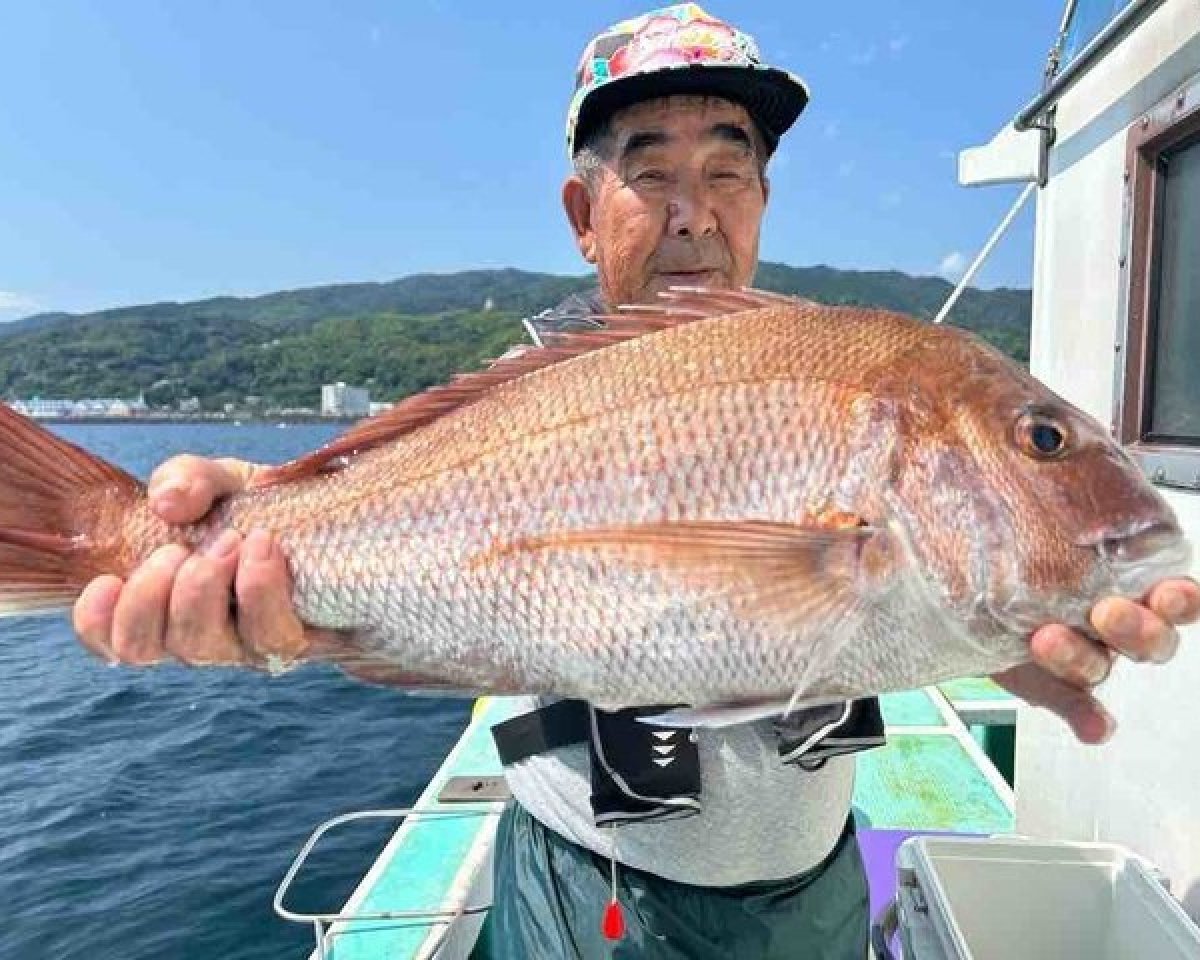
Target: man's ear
(766,185)
(577,202)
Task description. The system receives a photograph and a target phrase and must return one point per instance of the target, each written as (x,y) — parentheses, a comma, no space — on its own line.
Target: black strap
(808,738)
(560,724)
(641,771)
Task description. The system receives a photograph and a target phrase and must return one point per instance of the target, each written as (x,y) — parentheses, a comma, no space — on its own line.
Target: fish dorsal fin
(681,305)
(699,302)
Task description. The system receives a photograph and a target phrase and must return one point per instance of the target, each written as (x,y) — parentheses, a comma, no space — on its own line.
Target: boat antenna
(1054,59)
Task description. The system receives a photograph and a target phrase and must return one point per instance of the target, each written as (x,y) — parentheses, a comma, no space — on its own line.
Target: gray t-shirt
(760,819)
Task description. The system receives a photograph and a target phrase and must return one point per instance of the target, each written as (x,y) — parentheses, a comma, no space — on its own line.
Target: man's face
(678,201)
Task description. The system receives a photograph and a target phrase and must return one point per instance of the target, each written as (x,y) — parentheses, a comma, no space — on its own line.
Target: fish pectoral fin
(802,575)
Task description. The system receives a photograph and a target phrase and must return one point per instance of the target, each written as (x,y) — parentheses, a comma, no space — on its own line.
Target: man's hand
(1067,665)
(177,603)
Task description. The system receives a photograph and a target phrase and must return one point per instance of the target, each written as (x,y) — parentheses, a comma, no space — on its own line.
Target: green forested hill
(396,337)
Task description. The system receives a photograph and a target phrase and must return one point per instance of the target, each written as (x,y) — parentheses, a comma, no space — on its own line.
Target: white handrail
(321,920)
(983,254)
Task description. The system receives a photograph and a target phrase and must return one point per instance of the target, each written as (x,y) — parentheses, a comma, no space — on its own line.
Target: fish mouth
(1137,542)
(1143,552)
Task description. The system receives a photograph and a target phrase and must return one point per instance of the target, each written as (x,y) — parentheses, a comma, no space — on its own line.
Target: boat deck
(933,776)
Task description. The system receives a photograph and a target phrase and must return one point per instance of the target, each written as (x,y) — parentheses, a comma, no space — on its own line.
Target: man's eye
(729,175)
(650,176)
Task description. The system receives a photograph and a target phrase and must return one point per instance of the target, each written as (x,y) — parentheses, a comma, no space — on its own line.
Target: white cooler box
(1004,898)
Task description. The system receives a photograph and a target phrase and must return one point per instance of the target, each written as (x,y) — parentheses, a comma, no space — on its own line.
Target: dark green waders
(550,896)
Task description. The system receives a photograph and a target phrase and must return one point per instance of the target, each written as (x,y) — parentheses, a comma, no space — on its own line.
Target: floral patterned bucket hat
(680,50)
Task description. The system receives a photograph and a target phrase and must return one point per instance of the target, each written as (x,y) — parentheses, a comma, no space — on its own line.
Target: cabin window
(1174,407)
(1160,410)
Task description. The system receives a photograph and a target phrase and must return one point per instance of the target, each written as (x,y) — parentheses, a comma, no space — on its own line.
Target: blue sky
(170,151)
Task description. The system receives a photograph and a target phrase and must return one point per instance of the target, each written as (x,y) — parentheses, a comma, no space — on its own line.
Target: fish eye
(1048,439)
(1040,436)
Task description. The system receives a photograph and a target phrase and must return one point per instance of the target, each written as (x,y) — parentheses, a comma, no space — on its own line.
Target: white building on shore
(57,408)
(339,400)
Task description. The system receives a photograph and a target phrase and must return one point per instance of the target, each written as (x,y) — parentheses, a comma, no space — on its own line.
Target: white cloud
(16,301)
(376,35)
(891,199)
(864,57)
(896,44)
(952,266)
(832,130)
(845,168)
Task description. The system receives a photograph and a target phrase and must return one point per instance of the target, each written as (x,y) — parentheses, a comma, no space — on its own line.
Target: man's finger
(182,489)
(1132,630)
(141,611)
(1175,601)
(1085,715)
(92,615)
(1070,656)
(267,623)
(199,626)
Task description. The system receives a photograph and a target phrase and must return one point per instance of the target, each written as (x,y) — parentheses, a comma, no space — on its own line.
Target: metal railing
(1117,30)
(323,922)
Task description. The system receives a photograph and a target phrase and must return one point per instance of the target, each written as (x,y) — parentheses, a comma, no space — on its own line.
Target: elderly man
(747,849)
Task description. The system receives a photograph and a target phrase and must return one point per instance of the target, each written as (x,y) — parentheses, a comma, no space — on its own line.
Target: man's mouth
(684,277)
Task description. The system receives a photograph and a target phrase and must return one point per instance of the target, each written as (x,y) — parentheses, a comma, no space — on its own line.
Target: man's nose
(690,214)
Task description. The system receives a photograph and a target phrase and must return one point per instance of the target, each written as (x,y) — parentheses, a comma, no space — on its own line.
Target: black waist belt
(558,725)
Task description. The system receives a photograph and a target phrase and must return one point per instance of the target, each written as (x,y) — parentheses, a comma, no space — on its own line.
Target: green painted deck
(972,689)
(977,700)
(932,775)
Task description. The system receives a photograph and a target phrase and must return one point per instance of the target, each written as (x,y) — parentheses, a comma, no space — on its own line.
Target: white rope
(533,332)
(983,254)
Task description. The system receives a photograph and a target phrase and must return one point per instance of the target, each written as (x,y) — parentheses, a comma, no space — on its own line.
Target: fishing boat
(1110,149)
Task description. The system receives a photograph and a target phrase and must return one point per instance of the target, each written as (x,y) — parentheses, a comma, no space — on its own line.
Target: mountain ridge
(394,336)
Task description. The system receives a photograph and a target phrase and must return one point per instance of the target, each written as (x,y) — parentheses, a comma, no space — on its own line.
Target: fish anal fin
(384,674)
(362,655)
(718,715)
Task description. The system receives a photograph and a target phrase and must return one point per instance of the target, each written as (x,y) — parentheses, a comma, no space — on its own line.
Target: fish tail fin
(55,500)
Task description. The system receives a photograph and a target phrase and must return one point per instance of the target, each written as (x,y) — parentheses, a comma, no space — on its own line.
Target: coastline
(226,419)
